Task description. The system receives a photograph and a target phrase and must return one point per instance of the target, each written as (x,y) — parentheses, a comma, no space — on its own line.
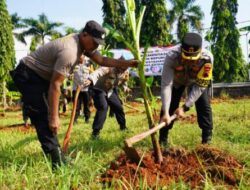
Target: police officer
(104,81)
(40,75)
(81,73)
(187,66)
(66,94)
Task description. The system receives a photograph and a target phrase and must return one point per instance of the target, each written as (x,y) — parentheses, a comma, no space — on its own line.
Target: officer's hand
(165,118)
(54,124)
(87,82)
(180,112)
(127,90)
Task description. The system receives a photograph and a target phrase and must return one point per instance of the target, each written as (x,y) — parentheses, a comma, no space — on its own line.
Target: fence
(235,89)
(232,89)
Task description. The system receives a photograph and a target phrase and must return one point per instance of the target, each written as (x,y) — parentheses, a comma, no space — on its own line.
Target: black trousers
(83,99)
(66,98)
(34,90)
(111,112)
(101,102)
(203,109)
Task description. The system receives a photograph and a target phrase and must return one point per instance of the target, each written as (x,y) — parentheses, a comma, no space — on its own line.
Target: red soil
(178,164)
(13,109)
(17,127)
(189,119)
(135,104)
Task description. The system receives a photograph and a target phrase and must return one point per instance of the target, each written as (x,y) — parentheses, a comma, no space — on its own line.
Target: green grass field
(23,165)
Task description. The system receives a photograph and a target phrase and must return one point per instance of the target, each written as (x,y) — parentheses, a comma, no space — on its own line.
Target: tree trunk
(4,101)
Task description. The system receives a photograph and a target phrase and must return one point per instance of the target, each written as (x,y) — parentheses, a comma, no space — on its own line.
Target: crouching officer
(104,82)
(187,66)
(40,75)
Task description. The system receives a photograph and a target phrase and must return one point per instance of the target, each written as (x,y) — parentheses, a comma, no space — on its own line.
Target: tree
(114,15)
(17,23)
(228,58)
(40,29)
(69,30)
(155,28)
(7,53)
(187,15)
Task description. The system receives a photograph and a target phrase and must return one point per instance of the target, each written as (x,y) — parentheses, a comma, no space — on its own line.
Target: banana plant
(134,46)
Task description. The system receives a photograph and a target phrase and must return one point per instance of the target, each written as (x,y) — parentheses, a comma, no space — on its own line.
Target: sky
(75,13)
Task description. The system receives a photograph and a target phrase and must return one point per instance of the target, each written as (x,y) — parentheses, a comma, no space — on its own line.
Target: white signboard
(154,60)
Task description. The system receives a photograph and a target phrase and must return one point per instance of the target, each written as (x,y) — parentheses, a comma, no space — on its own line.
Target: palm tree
(69,30)
(17,23)
(187,16)
(40,29)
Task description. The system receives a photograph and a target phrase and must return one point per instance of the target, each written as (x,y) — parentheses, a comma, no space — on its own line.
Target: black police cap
(95,30)
(191,46)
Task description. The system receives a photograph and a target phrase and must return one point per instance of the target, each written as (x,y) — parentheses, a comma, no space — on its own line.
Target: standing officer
(81,73)
(187,66)
(40,75)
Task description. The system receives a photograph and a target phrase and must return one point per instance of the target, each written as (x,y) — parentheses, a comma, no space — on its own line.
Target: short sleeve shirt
(60,55)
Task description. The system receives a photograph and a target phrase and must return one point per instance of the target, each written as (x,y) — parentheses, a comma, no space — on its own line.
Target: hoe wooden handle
(68,133)
(129,142)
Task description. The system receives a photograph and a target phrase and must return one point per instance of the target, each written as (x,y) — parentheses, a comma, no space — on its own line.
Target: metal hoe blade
(133,155)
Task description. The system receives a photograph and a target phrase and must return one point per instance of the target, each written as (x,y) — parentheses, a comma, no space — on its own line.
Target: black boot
(87,120)
(206,136)
(95,134)
(57,158)
(123,128)
(64,108)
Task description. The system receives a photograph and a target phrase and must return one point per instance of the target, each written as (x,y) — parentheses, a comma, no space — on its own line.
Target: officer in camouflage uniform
(104,81)
(187,66)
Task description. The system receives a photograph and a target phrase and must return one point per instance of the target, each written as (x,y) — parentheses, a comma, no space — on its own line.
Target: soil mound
(195,168)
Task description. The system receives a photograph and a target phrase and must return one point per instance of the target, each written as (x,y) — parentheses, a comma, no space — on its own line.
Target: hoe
(131,152)
(68,133)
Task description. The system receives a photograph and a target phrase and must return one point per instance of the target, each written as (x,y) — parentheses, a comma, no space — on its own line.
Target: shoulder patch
(206,72)
(205,75)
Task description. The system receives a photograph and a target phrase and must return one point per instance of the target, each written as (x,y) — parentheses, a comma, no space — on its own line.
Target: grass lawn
(23,165)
